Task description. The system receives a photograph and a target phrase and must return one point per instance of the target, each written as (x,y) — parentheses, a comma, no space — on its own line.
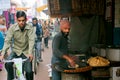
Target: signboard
(4,4)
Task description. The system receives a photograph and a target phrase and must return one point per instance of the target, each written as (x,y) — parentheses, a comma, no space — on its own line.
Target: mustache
(65,33)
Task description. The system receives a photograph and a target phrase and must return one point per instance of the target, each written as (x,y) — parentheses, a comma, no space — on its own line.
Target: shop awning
(39,9)
(45,11)
(21,8)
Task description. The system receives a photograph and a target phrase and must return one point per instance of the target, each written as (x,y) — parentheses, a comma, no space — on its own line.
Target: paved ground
(42,68)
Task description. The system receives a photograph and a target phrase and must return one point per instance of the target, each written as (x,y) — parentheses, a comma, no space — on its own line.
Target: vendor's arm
(70,60)
(56,46)
(57,51)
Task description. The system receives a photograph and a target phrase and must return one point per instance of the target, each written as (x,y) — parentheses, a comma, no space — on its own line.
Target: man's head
(21,19)
(65,26)
(34,21)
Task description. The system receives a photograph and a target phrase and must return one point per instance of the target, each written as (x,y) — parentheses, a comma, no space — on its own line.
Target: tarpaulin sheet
(84,33)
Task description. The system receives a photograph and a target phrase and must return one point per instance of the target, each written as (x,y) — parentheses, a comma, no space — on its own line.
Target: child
(1,46)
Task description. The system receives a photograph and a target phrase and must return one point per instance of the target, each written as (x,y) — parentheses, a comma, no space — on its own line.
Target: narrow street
(42,71)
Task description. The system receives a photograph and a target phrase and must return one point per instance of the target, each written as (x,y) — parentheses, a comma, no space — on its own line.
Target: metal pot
(99,49)
(102,52)
(113,54)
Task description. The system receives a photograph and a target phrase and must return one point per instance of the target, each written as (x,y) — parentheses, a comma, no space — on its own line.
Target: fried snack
(98,61)
(76,66)
(78,70)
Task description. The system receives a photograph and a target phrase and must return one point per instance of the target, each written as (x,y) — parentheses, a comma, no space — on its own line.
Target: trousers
(38,46)
(27,67)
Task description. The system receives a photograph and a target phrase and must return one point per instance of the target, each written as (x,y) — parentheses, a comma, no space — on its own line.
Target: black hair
(34,18)
(21,14)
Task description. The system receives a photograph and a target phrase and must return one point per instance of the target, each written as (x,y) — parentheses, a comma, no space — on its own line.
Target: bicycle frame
(35,57)
(18,75)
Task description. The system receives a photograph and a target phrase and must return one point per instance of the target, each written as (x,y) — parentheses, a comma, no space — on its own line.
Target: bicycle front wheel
(35,61)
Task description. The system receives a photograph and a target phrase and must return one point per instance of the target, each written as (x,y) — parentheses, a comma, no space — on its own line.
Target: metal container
(95,50)
(115,73)
(113,54)
(73,76)
(102,52)
(99,49)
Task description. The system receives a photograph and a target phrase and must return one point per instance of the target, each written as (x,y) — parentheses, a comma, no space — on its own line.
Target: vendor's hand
(72,62)
(30,56)
(75,58)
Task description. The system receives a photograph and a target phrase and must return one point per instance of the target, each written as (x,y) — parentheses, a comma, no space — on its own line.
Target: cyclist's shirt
(23,40)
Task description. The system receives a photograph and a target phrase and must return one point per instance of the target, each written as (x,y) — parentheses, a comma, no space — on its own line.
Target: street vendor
(60,48)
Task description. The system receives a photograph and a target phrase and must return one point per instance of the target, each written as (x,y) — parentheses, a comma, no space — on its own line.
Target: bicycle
(35,60)
(37,55)
(17,67)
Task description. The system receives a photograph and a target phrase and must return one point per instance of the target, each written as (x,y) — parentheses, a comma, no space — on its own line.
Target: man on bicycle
(23,45)
(39,34)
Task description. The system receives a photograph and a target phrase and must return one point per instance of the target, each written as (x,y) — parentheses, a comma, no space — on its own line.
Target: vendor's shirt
(60,45)
(23,41)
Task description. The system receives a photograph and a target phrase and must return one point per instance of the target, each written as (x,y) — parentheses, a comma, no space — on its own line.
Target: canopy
(21,8)
(39,9)
(45,11)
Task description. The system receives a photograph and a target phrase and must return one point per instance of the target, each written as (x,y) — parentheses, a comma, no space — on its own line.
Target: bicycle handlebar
(13,60)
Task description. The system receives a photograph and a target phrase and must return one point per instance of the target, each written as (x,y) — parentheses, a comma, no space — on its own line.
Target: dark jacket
(60,45)
(39,30)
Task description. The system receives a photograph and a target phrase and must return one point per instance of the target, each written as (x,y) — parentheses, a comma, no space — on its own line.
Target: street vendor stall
(92,24)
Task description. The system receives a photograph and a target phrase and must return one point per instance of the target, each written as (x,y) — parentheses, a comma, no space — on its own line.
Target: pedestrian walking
(3,27)
(39,33)
(3,31)
(1,46)
(46,33)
